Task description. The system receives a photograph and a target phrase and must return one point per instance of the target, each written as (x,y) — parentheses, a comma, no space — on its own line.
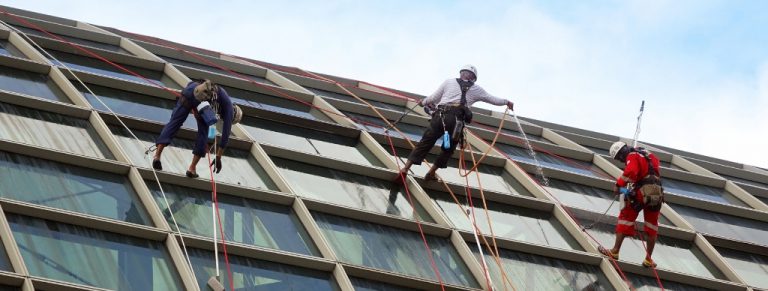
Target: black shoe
(192,175)
(157,165)
(432,177)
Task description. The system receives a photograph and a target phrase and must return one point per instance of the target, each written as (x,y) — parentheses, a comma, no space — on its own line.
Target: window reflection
(393,249)
(132,104)
(508,221)
(30,83)
(555,162)
(245,221)
(253,274)
(240,167)
(698,191)
(753,268)
(92,257)
(91,65)
(310,141)
(533,272)
(349,189)
(723,225)
(51,130)
(69,187)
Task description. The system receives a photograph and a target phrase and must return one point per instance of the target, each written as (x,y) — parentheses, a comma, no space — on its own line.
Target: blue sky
(701,66)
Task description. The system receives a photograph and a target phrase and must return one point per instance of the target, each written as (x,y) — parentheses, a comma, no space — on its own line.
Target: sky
(701,66)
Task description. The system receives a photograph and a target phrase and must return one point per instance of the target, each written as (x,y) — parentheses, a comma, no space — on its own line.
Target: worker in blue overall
(209,103)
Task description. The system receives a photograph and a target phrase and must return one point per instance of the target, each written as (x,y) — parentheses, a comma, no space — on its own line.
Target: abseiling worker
(210,103)
(640,187)
(453,99)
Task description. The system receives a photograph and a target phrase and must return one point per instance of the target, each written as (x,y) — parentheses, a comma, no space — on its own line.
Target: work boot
(649,263)
(430,177)
(157,165)
(191,174)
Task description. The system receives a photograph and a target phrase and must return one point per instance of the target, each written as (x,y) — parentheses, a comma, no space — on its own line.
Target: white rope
(154,173)
(637,129)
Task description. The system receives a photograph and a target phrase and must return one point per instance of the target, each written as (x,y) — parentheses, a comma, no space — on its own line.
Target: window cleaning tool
(214,284)
(637,129)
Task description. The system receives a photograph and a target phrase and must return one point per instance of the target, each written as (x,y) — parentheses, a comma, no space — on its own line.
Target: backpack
(650,186)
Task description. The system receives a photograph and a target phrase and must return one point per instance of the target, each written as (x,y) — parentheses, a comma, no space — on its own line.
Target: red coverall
(637,169)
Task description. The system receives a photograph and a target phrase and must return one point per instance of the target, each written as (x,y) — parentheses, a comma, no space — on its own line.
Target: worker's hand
(421,102)
(511,105)
(217,163)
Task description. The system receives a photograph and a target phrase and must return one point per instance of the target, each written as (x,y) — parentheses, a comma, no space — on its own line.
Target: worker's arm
(630,171)
(435,97)
(227,114)
(482,95)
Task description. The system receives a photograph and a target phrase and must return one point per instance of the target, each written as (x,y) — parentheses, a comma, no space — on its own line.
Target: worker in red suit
(640,188)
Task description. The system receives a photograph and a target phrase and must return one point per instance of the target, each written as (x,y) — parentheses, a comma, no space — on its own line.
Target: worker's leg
(178,116)
(425,144)
(201,141)
(442,160)
(625,226)
(651,229)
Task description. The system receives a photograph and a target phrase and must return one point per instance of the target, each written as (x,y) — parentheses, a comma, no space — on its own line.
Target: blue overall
(181,112)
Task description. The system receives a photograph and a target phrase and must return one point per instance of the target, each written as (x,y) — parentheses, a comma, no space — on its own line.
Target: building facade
(305,197)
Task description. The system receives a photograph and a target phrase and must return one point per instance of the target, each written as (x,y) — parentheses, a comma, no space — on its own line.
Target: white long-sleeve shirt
(450,92)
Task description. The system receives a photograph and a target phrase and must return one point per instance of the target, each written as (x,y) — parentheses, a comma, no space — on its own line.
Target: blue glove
(625,191)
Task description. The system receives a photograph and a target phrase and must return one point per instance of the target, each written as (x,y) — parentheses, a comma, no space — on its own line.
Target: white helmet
(616,148)
(238,115)
(469,68)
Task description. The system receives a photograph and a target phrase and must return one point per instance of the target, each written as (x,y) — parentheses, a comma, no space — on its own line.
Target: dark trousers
(433,133)
(178,116)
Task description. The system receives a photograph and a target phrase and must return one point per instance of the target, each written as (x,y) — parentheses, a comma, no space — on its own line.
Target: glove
(421,102)
(511,105)
(217,163)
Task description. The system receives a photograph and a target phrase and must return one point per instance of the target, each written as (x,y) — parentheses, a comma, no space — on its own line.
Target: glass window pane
(643,283)
(51,130)
(133,104)
(75,40)
(509,133)
(393,249)
(8,49)
(348,98)
(275,104)
(508,221)
(253,274)
(240,167)
(745,181)
(553,161)
(670,253)
(581,196)
(92,257)
(533,272)
(368,285)
(587,197)
(723,225)
(213,69)
(753,268)
(491,177)
(245,221)
(30,83)
(598,150)
(699,191)
(349,189)
(310,141)
(69,187)
(83,63)
(376,125)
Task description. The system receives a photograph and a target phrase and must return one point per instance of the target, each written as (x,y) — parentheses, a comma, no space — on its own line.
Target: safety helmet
(204,90)
(616,148)
(238,115)
(469,68)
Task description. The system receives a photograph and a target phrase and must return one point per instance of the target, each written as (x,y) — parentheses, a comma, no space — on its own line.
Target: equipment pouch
(446,141)
(206,113)
(653,196)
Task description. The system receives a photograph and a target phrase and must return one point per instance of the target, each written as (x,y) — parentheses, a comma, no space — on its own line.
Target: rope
(280,93)
(416,217)
(154,173)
